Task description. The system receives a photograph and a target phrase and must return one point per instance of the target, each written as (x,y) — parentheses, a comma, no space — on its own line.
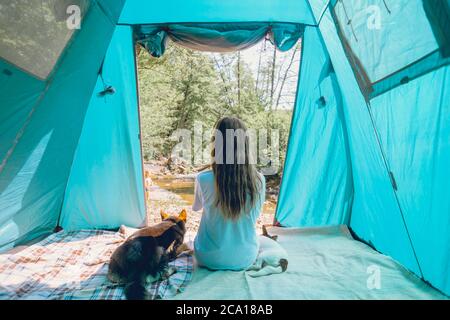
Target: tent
(369,144)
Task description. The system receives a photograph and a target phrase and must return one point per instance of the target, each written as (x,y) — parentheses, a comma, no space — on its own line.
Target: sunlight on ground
(174,193)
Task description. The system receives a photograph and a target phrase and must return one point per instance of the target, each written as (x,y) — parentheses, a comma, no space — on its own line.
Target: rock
(163,160)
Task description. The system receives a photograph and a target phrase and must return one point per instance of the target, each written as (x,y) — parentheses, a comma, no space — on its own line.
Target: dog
(145,255)
(272,257)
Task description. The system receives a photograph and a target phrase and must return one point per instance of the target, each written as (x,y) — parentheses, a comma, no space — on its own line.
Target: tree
(186,87)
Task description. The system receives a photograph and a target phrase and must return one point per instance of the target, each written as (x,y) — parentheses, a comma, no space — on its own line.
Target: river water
(184,187)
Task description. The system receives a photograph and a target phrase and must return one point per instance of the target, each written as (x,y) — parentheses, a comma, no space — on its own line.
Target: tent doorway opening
(183,93)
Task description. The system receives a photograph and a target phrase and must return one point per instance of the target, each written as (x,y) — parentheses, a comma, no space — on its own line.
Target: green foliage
(186,87)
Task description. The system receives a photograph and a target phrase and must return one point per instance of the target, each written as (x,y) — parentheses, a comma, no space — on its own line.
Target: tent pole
(393,183)
(146,221)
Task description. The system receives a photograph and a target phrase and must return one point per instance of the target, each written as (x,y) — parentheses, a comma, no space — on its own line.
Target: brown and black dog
(147,253)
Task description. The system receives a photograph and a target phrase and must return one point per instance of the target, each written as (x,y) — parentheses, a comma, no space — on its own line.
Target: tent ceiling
(148,12)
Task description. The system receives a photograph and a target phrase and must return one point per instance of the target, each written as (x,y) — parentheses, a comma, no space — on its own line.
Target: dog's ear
(164,215)
(264,231)
(183,215)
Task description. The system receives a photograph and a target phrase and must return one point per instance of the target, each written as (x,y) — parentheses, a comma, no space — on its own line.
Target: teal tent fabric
(373,34)
(417,147)
(375,215)
(318,161)
(368,144)
(318,8)
(438,13)
(217,37)
(399,232)
(105,188)
(19,92)
(138,12)
(153,39)
(35,171)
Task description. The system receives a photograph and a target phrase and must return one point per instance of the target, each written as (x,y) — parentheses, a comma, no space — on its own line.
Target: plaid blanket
(74,265)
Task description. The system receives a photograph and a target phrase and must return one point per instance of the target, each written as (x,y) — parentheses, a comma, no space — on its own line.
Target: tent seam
(311,12)
(139,122)
(387,167)
(79,137)
(208,22)
(291,125)
(324,10)
(105,12)
(22,129)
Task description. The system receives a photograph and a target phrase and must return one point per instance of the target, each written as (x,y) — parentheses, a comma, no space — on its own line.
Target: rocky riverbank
(173,190)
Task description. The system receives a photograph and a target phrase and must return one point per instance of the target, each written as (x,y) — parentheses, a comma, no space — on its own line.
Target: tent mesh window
(375,33)
(34,33)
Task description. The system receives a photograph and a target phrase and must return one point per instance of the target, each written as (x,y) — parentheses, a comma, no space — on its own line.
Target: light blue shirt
(224,244)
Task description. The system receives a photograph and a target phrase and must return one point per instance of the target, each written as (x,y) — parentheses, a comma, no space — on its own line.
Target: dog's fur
(147,253)
(266,234)
(272,258)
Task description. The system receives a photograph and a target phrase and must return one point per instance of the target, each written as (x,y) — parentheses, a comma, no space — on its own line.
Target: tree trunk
(259,68)
(272,77)
(239,81)
(226,85)
(283,81)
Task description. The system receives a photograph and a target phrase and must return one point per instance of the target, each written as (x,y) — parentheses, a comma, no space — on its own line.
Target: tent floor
(324,263)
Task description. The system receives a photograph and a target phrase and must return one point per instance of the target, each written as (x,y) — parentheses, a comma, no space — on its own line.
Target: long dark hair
(236,180)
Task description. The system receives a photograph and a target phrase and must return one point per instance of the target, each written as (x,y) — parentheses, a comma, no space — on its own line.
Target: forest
(186,88)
